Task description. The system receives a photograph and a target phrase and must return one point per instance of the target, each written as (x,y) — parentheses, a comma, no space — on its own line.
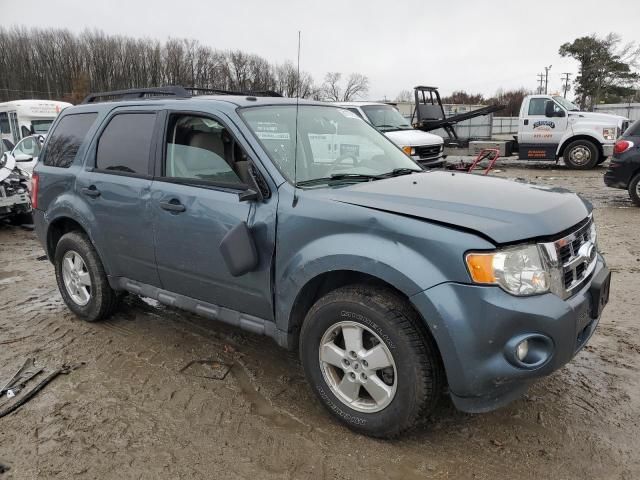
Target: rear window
(66,139)
(633,130)
(125,144)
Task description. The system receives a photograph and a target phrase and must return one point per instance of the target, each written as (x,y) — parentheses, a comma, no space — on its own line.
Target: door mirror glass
(552,109)
(23,157)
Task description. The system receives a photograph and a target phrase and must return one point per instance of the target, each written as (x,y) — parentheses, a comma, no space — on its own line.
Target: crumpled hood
(502,210)
(413,138)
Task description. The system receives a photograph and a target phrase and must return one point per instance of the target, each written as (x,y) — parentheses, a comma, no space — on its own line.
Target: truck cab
(425,148)
(551,127)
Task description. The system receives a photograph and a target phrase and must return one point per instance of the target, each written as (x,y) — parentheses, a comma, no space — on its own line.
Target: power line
(546,79)
(565,80)
(540,82)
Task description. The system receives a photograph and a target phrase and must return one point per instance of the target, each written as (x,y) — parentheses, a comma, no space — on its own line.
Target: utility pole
(540,82)
(546,79)
(565,80)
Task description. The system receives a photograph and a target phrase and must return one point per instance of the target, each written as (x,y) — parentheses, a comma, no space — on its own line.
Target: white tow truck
(551,127)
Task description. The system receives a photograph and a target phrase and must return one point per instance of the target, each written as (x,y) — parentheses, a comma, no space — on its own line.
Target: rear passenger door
(195,198)
(116,185)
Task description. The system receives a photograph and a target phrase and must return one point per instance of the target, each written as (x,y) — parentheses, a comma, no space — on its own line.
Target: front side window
(536,106)
(331,142)
(203,149)
(66,138)
(125,144)
(4,123)
(41,126)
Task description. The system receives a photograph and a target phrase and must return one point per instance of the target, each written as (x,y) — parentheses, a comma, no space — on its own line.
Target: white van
(425,148)
(21,118)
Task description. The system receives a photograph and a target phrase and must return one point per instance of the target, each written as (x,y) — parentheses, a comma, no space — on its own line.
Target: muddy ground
(143,406)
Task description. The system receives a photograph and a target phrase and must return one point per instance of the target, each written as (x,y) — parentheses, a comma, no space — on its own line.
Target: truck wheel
(581,155)
(634,189)
(81,278)
(369,361)
(602,160)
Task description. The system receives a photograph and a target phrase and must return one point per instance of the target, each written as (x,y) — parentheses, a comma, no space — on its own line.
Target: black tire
(103,300)
(634,189)
(602,160)
(570,155)
(419,375)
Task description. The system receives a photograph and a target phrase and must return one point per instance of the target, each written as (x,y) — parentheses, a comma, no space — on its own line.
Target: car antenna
(295,151)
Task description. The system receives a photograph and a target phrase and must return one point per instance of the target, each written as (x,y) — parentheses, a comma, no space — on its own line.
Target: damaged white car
(15,204)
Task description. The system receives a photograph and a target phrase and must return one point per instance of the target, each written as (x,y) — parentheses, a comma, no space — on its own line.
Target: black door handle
(91,191)
(173,205)
(526,122)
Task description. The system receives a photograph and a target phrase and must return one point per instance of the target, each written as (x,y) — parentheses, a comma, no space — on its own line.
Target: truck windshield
(566,103)
(386,118)
(333,144)
(41,126)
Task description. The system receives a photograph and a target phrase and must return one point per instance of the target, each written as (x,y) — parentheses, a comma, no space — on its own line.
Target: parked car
(425,148)
(27,150)
(624,168)
(551,127)
(389,280)
(15,204)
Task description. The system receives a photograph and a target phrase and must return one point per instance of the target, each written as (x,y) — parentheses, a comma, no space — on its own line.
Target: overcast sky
(475,45)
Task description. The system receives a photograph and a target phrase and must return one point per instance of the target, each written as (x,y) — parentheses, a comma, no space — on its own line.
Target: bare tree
(331,87)
(357,85)
(56,64)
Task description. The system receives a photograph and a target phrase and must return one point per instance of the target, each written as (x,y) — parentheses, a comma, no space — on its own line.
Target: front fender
(572,134)
(317,235)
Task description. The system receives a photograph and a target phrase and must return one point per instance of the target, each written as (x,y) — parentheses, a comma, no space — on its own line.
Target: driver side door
(195,198)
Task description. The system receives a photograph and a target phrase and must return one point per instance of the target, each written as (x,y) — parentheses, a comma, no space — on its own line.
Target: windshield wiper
(337,177)
(396,172)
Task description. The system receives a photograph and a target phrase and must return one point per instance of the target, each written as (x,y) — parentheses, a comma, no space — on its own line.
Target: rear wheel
(581,155)
(368,360)
(81,278)
(634,189)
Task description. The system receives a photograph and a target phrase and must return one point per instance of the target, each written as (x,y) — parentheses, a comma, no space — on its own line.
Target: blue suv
(299,221)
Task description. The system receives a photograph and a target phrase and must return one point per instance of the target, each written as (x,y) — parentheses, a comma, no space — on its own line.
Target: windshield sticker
(544,125)
(272,136)
(349,150)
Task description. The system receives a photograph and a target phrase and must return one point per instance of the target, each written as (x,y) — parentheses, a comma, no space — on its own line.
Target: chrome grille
(575,257)
(428,151)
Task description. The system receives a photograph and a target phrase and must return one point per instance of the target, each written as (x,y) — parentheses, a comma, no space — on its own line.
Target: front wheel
(369,360)
(581,155)
(634,189)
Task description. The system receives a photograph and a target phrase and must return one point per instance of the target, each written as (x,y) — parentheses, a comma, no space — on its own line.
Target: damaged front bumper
(477,327)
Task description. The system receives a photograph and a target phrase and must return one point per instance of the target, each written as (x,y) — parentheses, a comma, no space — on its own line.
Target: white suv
(426,148)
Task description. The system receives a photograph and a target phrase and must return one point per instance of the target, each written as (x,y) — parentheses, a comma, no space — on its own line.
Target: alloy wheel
(358,367)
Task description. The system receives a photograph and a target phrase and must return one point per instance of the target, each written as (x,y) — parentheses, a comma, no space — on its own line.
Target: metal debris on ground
(27,372)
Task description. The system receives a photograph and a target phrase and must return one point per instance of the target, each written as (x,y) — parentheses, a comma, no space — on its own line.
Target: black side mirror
(249,195)
(548,109)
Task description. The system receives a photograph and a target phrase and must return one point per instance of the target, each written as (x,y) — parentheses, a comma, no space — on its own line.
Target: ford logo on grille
(587,252)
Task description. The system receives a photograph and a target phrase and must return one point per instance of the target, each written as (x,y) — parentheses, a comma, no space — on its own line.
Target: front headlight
(517,270)
(409,150)
(610,133)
